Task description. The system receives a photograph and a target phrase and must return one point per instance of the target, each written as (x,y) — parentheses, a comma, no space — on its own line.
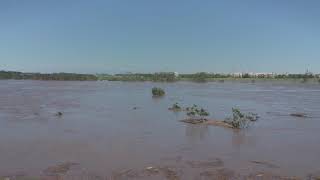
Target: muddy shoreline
(183,169)
(210,122)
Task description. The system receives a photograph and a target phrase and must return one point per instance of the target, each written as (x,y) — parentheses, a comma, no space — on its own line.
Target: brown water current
(116,130)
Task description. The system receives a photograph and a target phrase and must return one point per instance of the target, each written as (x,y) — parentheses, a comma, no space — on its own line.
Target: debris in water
(135,108)
(194,121)
(267,164)
(269,176)
(166,172)
(301,115)
(169,173)
(152,169)
(222,173)
(206,164)
(59,169)
(207,122)
(59,114)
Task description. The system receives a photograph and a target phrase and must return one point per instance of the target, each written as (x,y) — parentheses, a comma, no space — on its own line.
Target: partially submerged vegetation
(196,112)
(196,115)
(175,107)
(241,120)
(158,92)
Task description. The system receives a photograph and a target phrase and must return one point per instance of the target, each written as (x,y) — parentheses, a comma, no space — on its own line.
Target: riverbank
(223,80)
(177,168)
(157,77)
(13,75)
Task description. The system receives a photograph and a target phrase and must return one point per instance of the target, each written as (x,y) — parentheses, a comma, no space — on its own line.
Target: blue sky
(165,35)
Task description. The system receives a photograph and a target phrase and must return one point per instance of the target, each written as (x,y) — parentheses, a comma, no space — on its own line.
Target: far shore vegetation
(47,77)
(200,77)
(203,77)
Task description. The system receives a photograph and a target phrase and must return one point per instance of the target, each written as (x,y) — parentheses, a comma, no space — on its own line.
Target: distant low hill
(41,76)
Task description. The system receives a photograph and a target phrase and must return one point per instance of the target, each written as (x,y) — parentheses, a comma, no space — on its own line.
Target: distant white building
(264,75)
(253,74)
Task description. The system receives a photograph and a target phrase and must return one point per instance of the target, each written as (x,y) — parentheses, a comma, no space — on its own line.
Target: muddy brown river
(117,130)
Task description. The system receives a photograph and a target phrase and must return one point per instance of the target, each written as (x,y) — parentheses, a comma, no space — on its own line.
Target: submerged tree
(241,120)
(158,92)
(196,112)
(175,107)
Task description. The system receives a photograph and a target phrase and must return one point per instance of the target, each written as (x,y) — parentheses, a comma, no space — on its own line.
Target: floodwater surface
(112,127)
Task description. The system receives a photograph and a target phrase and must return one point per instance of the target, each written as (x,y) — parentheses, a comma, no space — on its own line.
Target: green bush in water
(241,120)
(175,107)
(196,111)
(158,92)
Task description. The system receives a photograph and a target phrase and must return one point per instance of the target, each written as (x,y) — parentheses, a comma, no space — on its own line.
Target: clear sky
(160,35)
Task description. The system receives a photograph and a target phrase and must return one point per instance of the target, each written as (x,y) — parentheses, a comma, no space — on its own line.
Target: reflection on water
(101,130)
(195,133)
(241,138)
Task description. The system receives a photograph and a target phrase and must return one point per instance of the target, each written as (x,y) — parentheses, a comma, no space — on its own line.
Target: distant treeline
(157,77)
(161,77)
(53,76)
(296,76)
(202,76)
(198,77)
